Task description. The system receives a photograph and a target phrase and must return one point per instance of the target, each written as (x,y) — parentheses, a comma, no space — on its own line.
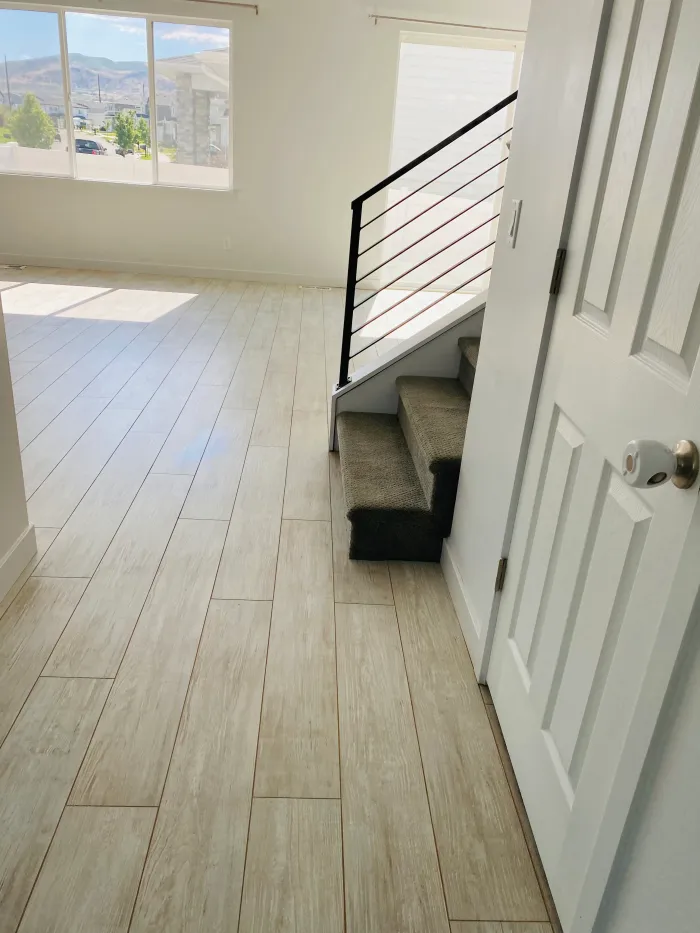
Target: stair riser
(394,536)
(466,375)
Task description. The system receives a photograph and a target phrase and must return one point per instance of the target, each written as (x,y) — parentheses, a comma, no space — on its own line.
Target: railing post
(355,230)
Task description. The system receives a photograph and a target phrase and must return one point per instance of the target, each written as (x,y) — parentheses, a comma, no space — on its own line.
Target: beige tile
(19,369)
(140,388)
(187,441)
(524,821)
(128,757)
(247,383)
(44,537)
(28,632)
(48,449)
(274,416)
(290,309)
(310,389)
(471,926)
(91,873)
(194,873)
(115,376)
(356,581)
(294,879)
(97,635)
(392,878)
(83,540)
(311,339)
(249,560)
(38,763)
(298,748)
(215,485)
(285,346)
(224,360)
(307,493)
(486,868)
(56,498)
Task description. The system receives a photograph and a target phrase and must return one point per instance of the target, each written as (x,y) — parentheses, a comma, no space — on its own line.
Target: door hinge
(501,574)
(557,272)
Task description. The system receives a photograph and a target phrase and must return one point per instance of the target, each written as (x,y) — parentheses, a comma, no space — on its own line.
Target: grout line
(77,677)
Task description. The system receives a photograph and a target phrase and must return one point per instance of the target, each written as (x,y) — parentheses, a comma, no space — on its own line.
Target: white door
(602,577)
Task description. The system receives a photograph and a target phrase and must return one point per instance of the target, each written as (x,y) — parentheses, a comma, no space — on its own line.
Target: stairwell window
(131,99)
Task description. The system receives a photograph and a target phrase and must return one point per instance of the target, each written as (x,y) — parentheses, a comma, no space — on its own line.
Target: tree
(31,126)
(124,127)
(143,133)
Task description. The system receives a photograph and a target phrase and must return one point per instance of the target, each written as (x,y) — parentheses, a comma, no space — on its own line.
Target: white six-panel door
(602,577)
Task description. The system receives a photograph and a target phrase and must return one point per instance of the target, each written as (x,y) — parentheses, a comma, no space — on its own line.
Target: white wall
(313,97)
(654,885)
(17,542)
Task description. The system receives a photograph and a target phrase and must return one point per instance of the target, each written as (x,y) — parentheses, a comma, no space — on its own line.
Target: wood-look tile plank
(356,581)
(128,757)
(392,878)
(140,388)
(294,875)
(471,926)
(224,360)
(298,747)
(247,383)
(56,498)
(486,868)
(188,439)
(285,347)
(48,449)
(167,403)
(202,345)
(115,376)
(307,493)
(262,333)
(19,369)
(194,874)
(92,870)
(54,341)
(311,338)
(249,560)
(310,388)
(215,484)
(28,632)
(38,414)
(44,538)
(38,763)
(290,309)
(83,540)
(274,416)
(30,336)
(97,635)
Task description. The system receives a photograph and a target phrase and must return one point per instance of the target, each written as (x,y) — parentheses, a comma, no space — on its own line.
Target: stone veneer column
(192,123)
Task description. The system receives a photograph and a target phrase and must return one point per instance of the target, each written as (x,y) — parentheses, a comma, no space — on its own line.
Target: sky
(30,34)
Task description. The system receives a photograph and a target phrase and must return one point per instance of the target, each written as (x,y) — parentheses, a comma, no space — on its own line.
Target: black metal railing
(350,328)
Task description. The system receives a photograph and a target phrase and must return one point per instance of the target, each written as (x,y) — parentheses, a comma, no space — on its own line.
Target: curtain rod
(433,22)
(245,6)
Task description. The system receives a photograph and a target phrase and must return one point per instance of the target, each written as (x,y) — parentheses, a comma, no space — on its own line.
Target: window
(33,133)
(149,100)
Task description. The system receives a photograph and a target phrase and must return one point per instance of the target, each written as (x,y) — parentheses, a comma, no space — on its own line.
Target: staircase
(400,472)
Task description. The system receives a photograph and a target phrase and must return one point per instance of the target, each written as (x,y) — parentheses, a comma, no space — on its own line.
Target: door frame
(561,64)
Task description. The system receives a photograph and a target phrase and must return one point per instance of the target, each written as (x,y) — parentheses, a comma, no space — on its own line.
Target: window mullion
(153,105)
(67,91)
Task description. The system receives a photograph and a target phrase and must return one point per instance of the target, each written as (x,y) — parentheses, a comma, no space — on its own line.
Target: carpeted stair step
(433,414)
(388,511)
(469,348)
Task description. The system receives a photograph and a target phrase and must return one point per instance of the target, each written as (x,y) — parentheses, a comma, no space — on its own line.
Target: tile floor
(210,720)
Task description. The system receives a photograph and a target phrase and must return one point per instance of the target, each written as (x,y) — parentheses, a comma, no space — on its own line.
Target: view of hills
(125,82)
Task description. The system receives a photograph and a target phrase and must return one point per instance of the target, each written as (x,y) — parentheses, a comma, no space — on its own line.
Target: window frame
(150,19)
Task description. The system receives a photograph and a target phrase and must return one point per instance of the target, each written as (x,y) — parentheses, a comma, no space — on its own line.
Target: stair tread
(377,467)
(437,410)
(469,347)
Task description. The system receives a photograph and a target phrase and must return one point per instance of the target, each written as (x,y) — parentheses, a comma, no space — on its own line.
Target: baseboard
(455,585)
(16,559)
(148,268)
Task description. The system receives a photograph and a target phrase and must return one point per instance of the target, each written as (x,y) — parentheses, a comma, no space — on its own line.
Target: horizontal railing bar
(421,288)
(422,311)
(423,262)
(421,213)
(477,121)
(434,230)
(410,195)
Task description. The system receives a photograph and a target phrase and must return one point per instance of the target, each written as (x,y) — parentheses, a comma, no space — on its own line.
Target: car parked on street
(90,147)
